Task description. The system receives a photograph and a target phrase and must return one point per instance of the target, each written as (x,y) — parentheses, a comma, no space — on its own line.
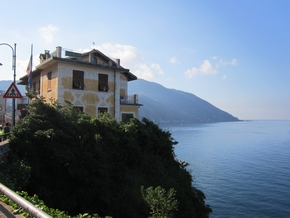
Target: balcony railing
(129,99)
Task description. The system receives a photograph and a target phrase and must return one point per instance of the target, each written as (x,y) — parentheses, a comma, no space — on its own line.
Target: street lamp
(14,75)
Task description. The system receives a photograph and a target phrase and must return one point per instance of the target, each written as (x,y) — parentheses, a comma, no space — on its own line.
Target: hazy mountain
(161,104)
(5,84)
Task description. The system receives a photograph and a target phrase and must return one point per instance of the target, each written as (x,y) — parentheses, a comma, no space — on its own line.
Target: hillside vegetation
(82,164)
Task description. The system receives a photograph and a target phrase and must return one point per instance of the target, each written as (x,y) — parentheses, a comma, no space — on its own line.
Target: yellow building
(91,81)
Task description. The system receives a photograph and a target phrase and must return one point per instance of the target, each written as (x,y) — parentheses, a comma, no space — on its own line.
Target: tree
(83,164)
(161,203)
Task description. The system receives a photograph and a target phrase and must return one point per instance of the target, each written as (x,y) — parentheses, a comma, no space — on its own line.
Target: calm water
(242,167)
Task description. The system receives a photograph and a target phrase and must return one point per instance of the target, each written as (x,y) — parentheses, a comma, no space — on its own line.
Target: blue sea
(243,167)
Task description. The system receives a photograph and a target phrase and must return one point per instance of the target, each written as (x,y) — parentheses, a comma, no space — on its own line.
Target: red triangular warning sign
(12,92)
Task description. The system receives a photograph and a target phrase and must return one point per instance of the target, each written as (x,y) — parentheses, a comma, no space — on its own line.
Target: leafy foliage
(14,175)
(40,204)
(161,203)
(82,164)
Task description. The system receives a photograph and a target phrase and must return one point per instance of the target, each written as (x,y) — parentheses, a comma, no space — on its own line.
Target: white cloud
(148,72)
(131,59)
(48,32)
(157,68)
(144,72)
(126,53)
(191,72)
(232,62)
(224,77)
(173,60)
(205,68)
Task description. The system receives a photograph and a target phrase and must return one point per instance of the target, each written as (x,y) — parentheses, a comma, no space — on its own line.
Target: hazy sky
(234,54)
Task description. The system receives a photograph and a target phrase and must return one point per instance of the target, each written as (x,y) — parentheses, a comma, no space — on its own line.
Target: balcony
(129,99)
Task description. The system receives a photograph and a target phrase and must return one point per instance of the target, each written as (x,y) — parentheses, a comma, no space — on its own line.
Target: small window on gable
(78,79)
(103,83)
(95,60)
(49,80)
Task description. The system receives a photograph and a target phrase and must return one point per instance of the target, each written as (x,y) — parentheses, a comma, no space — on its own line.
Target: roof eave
(130,76)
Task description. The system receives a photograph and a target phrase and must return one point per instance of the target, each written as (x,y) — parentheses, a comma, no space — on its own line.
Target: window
(102,110)
(95,60)
(49,80)
(103,83)
(36,87)
(78,79)
(80,108)
(126,117)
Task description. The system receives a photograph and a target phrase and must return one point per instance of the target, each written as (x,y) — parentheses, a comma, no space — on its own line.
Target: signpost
(12,92)
(14,79)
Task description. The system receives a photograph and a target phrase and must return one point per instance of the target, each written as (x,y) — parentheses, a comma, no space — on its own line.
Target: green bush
(40,204)
(161,204)
(82,164)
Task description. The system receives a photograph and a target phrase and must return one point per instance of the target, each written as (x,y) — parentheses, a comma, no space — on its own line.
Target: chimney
(47,55)
(58,51)
(118,62)
(41,58)
(91,57)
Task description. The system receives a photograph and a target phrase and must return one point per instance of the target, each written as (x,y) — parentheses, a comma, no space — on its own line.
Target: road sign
(12,92)
(73,54)
(23,100)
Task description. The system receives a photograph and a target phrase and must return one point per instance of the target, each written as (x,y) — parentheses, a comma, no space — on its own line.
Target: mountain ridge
(164,105)
(4,85)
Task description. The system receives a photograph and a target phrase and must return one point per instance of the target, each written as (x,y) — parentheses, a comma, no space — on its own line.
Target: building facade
(91,81)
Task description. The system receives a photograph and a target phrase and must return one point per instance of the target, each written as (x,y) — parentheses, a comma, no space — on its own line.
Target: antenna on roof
(93,47)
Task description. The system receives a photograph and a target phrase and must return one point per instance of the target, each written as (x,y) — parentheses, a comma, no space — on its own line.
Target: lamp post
(14,75)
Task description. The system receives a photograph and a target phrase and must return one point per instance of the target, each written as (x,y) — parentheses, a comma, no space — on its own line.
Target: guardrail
(26,205)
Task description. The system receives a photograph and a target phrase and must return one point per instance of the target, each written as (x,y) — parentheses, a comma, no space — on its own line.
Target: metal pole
(14,81)
(14,75)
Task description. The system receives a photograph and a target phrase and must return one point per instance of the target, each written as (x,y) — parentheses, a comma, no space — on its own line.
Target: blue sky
(231,53)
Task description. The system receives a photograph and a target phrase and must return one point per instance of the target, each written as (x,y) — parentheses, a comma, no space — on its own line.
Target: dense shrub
(81,164)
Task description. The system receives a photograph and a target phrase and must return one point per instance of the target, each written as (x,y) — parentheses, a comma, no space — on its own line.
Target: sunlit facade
(91,81)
